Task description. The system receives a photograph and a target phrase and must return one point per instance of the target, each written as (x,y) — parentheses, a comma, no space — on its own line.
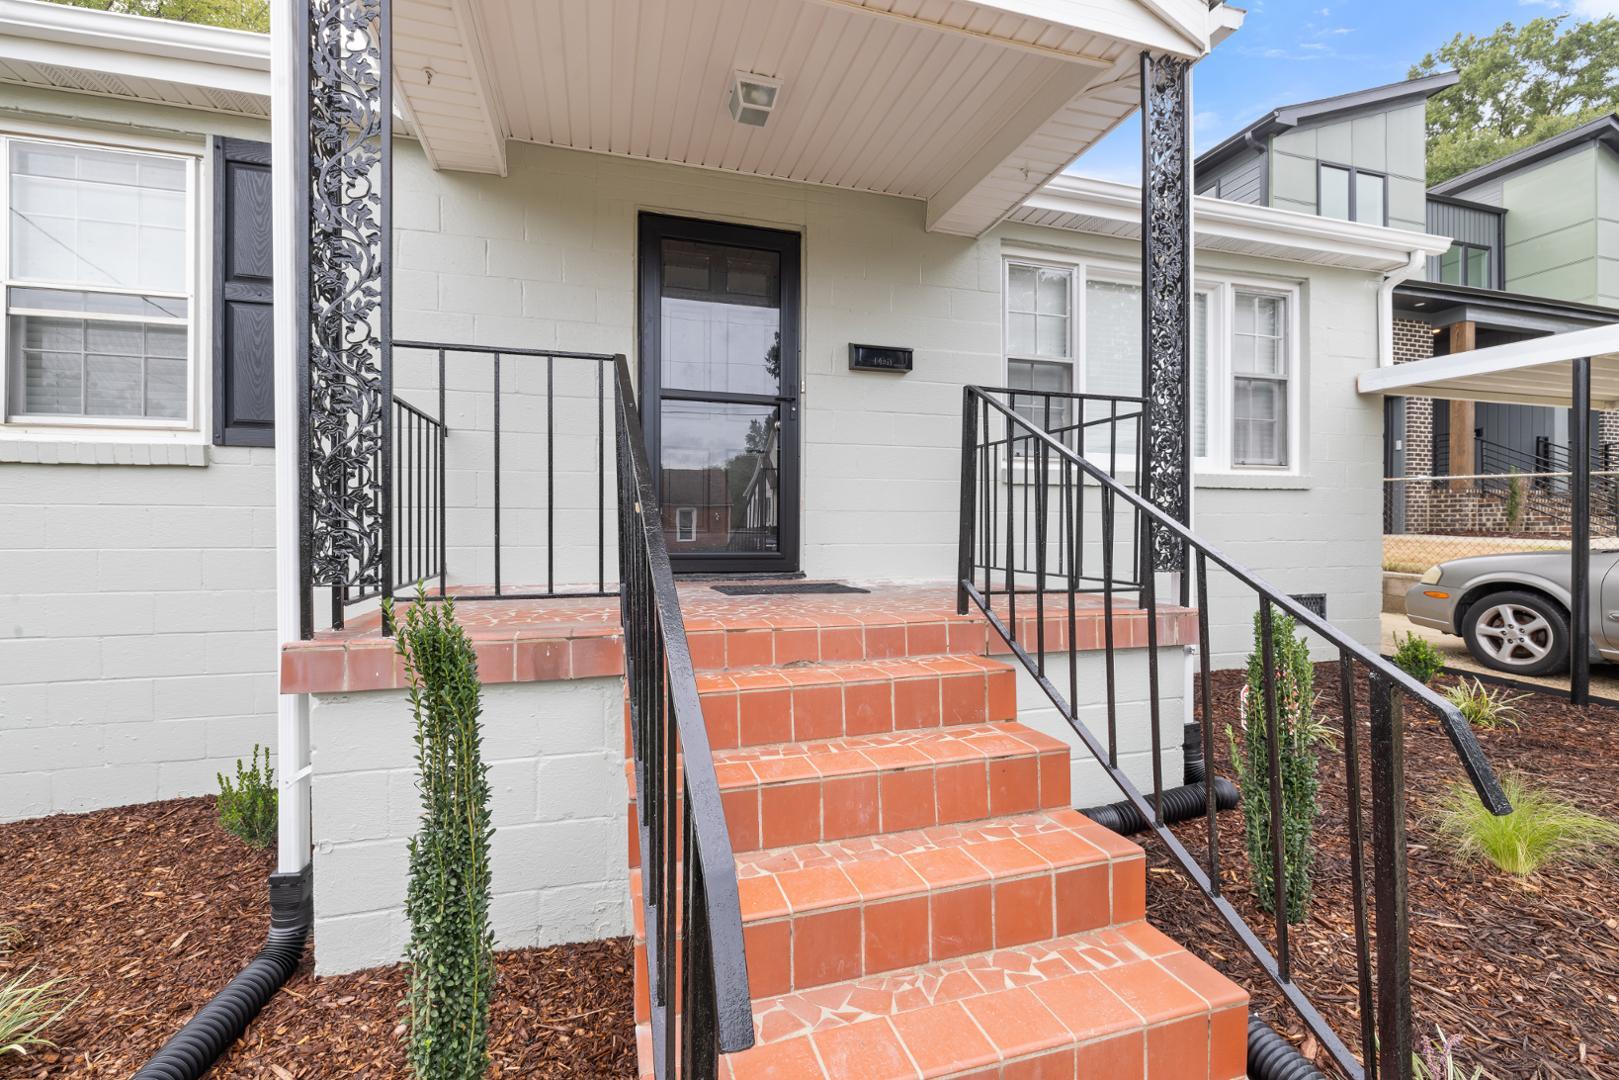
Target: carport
(1578,371)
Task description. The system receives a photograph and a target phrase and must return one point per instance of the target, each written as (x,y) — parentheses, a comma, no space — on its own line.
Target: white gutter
(1103,206)
(134,46)
(1385,303)
(292,710)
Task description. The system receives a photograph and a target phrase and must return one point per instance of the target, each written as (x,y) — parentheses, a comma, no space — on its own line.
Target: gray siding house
(1535,251)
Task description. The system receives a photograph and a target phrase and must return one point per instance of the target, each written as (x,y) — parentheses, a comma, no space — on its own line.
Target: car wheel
(1518,632)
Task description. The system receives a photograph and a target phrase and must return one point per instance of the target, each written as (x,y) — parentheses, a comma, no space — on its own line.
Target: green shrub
(1514,500)
(1483,707)
(1298,732)
(247,807)
(1417,658)
(451,955)
(1541,828)
(27,1009)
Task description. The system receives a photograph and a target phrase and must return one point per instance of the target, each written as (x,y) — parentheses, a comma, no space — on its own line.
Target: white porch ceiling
(968,105)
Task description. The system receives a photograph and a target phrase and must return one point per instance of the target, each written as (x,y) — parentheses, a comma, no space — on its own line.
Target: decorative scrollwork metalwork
(348,383)
(1166,267)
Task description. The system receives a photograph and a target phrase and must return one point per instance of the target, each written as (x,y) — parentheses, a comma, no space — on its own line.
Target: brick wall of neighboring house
(1413,340)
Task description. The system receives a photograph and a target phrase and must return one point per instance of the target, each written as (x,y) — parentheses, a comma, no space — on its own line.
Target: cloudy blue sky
(1298,50)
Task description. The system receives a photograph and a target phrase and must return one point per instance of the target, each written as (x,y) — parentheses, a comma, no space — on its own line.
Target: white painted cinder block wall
(560,852)
(137,584)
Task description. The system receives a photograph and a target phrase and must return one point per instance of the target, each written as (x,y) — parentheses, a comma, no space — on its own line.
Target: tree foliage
(231,14)
(1519,86)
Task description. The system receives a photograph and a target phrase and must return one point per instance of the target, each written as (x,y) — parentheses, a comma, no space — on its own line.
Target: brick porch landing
(576,638)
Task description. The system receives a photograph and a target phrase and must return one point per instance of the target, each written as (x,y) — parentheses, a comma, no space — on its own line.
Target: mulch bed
(1526,972)
(149,910)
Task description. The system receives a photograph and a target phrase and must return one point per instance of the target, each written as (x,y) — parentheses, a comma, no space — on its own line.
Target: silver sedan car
(1513,609)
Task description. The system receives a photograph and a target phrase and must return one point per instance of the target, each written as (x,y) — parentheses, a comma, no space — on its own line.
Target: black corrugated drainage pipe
(1180,803)
(1192,753)
(1271,1057)
(193,1049)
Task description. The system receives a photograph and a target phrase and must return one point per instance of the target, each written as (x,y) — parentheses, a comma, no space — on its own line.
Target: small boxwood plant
(1417,658)
(451,953)
(247,806)
(1298,732)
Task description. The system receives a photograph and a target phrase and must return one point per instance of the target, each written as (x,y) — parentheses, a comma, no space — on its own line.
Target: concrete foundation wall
(1091,784)
(560,852)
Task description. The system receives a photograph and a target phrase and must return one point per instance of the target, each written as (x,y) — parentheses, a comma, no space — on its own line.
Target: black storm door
(719,316)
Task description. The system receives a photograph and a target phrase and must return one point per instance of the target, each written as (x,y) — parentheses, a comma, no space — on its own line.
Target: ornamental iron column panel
(344,299)
(1166,308)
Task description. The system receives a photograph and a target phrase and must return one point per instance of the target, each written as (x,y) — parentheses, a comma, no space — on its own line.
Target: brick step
(810,701)
(823,913)
(804,793)
(1122,1003)
(735,643)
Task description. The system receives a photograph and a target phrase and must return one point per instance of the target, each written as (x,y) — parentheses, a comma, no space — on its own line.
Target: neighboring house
(1535,252)
(737,236)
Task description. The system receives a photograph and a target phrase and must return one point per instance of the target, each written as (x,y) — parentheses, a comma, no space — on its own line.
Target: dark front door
(719,379)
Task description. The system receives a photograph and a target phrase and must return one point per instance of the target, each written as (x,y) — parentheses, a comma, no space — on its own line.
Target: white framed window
(685,524)
(1244,358)
(1245,382)
(1352,194)
(98,268)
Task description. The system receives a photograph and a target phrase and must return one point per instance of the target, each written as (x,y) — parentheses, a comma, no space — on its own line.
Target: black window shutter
(244,341)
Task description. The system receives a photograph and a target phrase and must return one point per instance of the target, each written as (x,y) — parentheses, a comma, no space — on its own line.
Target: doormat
(787,588)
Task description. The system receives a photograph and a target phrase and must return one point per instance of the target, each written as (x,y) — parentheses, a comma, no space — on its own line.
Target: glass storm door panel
(719,390)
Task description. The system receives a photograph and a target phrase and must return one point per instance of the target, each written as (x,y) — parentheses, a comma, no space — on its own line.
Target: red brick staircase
(918,899)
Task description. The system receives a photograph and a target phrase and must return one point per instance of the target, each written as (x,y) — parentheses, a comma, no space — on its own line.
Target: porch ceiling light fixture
(752,98)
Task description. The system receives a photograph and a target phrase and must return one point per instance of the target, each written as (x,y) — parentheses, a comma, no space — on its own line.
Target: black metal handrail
(1386,1036)
(418,504)
(695,958)
(416,548)
(1104,426)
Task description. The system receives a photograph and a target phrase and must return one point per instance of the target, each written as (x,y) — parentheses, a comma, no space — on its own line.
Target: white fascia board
(1599,343)
(1180,27)
(136,46)
(1374,246)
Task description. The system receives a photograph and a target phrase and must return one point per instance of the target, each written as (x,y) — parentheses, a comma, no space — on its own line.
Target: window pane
(1478,267)
(1334,192)
(1258,345)
(1259,422)
(1020,334)
(1038,376)
(1369,198)
(97,217)
(1450,266)
(1053,291)
(1112,338)
(1020,287)
(79,367)
(1052,335)
(1200,375)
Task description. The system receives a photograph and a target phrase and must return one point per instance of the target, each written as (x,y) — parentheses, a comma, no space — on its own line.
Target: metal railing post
(1389,884)
(969,470)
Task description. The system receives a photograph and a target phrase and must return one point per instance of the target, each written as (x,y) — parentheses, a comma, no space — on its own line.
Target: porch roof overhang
(1534,372)
(159,61)
(968,105)
(1080,204)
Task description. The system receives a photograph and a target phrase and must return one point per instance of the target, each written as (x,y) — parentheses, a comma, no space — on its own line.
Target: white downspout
(1385,305)
(292,710)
